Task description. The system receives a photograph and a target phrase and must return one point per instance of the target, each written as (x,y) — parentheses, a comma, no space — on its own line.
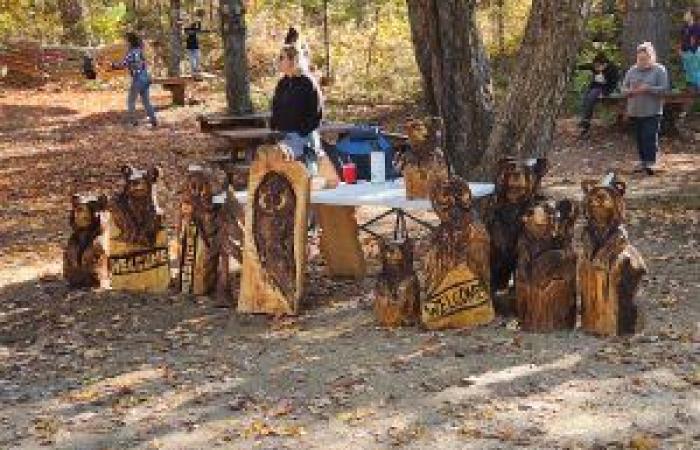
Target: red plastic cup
(350,173)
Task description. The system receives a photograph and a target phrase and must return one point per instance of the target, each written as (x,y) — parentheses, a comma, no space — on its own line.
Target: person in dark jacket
(297,104)
(192,45)
(605,76)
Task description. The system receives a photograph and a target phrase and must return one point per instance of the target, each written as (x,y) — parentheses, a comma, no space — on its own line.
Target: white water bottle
(377,166)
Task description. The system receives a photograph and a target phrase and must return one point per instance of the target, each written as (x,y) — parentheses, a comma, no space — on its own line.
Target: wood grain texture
(425,158)
(457,263)
(84,258)
(274,252)
(397,292)
(230,232)
(340,244)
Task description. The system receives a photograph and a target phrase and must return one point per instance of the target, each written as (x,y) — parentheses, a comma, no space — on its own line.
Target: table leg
(178,91)
(340,244)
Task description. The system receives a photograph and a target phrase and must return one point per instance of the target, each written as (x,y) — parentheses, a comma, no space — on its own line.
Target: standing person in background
(690,42)
(192,43)
(135,63)
(297,104)
(644,85)
(605,76)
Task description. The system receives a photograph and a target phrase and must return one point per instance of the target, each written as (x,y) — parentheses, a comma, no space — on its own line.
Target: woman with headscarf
(644,86)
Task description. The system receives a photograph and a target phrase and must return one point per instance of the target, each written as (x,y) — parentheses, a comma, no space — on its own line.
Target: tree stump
(138,242)
(276,221)
(610,267)
(397,292)
(84,258)
(545,281)
(457,264)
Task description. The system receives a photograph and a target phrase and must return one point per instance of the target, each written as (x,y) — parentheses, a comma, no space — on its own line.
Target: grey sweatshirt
(649,103)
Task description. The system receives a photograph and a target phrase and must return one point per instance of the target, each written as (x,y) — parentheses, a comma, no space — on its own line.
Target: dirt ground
(108,370)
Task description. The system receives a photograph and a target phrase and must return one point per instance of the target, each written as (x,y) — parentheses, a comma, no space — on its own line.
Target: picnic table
(221,121)
(336,212)
(675,101)
(177,85)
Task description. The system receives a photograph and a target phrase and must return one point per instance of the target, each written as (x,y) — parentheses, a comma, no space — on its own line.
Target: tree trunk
(175,38)
(646,20)
(235,59)
(524,124)
(456,74)
(73,22)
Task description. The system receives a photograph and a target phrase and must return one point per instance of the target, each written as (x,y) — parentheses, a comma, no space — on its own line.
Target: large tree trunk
(456,76)
(73,22)
(646,20)
(525,122)
(235,59)
(175,54)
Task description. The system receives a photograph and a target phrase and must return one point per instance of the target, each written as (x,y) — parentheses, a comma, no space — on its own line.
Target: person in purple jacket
(690,42)
(135,63)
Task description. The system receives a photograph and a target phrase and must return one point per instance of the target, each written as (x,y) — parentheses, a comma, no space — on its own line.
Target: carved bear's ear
(567,210)
(75,200)
(127,171)
(101,203)
(587,185)
(620,186)
(540,167)
(153,174)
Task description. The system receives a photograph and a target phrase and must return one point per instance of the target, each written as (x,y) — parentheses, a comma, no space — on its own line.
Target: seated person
(603,82)
(297,104)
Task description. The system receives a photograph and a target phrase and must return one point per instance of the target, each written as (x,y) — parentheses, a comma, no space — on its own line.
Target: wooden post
(274,251)
(340,245)
(178,92)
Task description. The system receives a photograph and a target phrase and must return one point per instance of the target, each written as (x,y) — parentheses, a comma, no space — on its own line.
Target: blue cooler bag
(357,145)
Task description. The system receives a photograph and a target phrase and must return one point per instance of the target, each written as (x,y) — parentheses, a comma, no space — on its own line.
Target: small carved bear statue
(424,159)
(610,268)
(545,281)
(84,259)
(397,293)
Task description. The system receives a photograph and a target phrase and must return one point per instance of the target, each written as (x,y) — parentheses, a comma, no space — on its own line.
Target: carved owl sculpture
(273,224)
(397,293)
(545,281)
(84,259)
(134,210)
(610,267)
(517,185)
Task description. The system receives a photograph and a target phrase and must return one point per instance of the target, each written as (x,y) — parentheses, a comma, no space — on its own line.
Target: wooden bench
(213,122)
(178,85)
(674,102)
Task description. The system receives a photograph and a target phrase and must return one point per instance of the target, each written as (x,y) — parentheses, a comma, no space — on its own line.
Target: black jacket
(192,39)
(611,74)
(297,105)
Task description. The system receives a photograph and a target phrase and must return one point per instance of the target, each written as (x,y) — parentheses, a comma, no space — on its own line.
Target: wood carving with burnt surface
(138,242)
(545,281)
(517,184)
(197,234)
(229,241)
(274,252)
(397,293)
(425,158)
(84,259)
(610,267)
(457,263)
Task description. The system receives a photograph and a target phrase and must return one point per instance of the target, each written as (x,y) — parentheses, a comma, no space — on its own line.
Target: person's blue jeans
(647,134)
(140,87)
(590,99)
(194,55)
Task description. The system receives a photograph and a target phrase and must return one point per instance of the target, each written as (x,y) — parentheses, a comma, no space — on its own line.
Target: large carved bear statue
(610,267)
(84,259)
(138,242)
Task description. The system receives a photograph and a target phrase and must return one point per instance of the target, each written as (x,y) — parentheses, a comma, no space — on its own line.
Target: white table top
(264,133)
(391,194)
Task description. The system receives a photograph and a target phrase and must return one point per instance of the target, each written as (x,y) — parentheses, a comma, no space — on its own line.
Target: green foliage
(106,22)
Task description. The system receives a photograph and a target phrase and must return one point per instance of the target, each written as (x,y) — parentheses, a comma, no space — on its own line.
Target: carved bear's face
(604,203)
(139,183)
(85,211)
(424,134)
(451,199)
(540,221)
(397,256)
(517,181)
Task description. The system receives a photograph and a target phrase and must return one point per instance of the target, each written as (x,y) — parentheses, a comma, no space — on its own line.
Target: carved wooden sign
(397,293)
(545,281)
(610,267)
(425,158)
(517,184)
(84,259)
(197,233)
(457,264)
(138,242)
(274,252)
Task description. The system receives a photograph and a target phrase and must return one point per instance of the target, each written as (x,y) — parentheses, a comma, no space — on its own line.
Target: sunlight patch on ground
(35,270)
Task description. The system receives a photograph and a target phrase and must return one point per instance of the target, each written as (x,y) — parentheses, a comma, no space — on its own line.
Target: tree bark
(72,19)
(456,75)
(175,55)
(646,20)
(524,125)
(235,58)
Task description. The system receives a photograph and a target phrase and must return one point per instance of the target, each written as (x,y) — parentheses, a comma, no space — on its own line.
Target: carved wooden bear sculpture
(397,293)
(545,281)
(610,268)
(197,233)
(229,240)
(425,158)
(457,264)
(84,259)
(138,243)
(517,184)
